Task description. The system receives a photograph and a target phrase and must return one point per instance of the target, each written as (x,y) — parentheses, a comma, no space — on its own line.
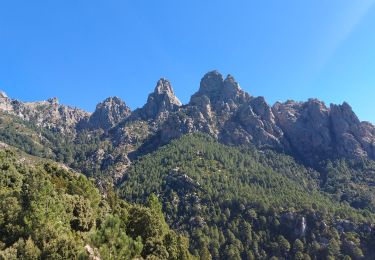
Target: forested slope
(237,178)
(244,203)
(50,212)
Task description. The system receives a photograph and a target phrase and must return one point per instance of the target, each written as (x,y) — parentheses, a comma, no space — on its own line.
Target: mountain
(109,113)
(317,132)
(49,114)
(240,178)
(159,103)
(221,109)
(310,130)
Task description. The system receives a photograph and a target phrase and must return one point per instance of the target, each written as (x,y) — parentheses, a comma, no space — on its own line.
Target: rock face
(306,126)
(160,103)
(221,93)
(221,108)
(5,102)
(255,123)
(352,138)
(49,114)
(308,130)
(109,113)
(315,131)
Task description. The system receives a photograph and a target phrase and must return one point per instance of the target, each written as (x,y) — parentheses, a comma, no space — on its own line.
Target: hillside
(50,212)
(245,203)
(237,178)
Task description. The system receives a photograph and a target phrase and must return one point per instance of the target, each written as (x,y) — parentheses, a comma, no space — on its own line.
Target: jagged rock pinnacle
(219,90)
(5,102)
(163,86)
(109,113)
(159,103)
(3,94)
(211,82)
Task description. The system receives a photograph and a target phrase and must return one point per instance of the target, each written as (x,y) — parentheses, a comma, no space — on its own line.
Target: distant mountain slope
(240,178)
(49,114)
(237,202)
(310,131)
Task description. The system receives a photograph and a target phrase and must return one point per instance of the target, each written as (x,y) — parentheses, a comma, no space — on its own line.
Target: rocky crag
(311,131)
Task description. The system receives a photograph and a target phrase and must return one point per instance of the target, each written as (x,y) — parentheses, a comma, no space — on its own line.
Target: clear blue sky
(84,51)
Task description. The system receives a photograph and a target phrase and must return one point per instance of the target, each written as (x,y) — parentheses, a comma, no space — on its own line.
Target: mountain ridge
(240,178)
(223,110)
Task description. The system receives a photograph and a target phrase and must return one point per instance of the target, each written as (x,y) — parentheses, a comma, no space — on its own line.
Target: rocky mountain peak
(110,101)
(3,94)
(53,101)
(231,87)
(159,103)
(220,90)
(48,113)
(164,93)
(163,86)
(344,112)
(211,82)
(5,102)
(109,113)
(315,131)
(262,109)
(231,83)
(213,85)
(353,138)
(309,130)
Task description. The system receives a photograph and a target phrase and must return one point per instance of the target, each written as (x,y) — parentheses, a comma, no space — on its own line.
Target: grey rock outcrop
(5,102)
(306,127)
(255,123)
(49,114)
(222,109)
(310,131)
(109,113)
(352,138)
(160,103)
(315,131)
(225,96)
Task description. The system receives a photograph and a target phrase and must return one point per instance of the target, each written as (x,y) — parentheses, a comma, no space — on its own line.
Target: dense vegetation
(48,212)
(238,203)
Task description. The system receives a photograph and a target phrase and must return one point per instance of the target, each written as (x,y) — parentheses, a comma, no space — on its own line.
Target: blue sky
(84,51)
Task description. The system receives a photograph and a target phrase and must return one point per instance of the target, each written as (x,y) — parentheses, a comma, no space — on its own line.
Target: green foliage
(351,182)
(113,242)
(284,245)
(242,203)
(47,212)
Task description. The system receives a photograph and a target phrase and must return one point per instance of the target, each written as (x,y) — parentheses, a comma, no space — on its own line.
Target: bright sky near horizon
(83,51)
